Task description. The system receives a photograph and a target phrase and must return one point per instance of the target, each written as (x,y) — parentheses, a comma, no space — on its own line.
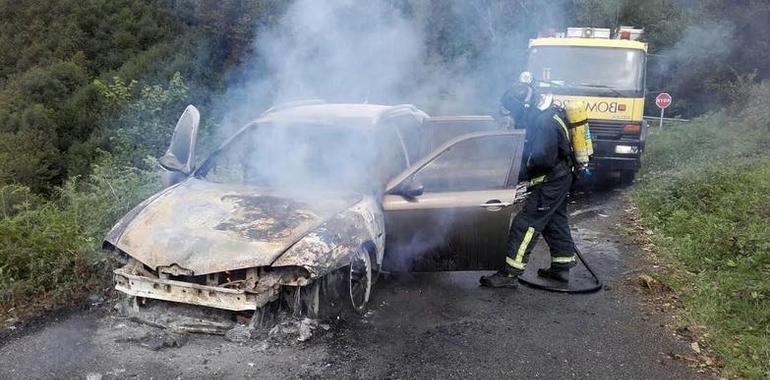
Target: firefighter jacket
(547,150)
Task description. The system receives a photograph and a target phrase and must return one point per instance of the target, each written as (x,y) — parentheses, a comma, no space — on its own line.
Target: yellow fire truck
(607,72)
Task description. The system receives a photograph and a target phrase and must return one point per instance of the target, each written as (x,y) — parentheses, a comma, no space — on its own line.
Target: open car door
(451,210)
(440,129)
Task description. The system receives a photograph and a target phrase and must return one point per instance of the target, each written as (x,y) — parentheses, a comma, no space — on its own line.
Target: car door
(451,210)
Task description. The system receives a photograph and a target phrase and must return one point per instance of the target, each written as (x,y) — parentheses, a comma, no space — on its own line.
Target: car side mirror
(409,189)
(169,162)
(180,156)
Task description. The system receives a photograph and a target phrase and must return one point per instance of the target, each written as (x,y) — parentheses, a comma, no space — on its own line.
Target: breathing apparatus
(522,97)
(579,134)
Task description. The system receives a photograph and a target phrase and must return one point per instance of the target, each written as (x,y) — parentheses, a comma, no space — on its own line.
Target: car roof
(347,113)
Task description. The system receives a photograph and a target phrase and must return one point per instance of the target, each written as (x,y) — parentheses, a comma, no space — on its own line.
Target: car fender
(329,246)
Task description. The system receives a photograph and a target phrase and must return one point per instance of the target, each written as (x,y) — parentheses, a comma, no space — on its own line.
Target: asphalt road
(423,325)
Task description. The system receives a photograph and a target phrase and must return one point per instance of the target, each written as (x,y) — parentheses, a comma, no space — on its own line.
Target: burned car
(311,200)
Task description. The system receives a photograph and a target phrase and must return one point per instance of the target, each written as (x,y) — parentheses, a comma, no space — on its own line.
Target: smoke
(446,57)
(379,52)
(337,50)
(341,50)
(710,58)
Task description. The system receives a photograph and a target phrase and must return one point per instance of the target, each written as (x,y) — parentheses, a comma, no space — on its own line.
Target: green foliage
(50,52)
(40,254)
(711,141)
(103,197)
(49,249)
(53,55)
(705,193)
(89,92)
(145,124)
(103,34)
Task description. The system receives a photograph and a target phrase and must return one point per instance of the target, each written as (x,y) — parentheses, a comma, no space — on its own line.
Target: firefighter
(547,167)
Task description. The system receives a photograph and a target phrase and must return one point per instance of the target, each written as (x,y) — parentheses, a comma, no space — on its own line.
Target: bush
(146,117)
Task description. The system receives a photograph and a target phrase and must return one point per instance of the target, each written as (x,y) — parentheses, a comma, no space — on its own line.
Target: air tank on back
(580,134)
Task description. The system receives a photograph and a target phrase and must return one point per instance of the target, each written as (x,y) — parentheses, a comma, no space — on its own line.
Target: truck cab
(607,73)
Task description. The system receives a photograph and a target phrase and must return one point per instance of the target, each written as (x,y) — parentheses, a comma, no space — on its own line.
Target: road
(422,325)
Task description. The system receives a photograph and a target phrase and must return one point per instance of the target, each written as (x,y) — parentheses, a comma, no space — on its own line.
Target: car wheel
(358,282)
(342,291)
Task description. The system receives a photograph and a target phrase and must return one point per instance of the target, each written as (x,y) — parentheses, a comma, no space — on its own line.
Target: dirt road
(420,326)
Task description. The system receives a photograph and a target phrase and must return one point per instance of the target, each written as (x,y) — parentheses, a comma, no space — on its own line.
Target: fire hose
(522,193)
(567,289)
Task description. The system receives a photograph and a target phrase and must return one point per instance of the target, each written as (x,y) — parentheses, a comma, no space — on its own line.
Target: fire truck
(607,72)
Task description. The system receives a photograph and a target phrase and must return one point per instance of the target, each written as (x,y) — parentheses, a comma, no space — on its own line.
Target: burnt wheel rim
(360,280)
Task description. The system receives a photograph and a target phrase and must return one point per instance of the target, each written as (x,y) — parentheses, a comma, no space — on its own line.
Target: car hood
(208,227)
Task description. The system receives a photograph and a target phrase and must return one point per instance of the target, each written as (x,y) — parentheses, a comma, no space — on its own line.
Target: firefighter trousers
(544,212)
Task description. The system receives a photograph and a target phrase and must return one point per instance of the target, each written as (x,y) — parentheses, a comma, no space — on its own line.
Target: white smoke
(384,51)
(376,51)
(340,50)
(335,50)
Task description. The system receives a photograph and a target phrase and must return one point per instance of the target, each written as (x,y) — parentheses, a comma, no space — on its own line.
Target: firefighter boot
(504,278)
(558,274)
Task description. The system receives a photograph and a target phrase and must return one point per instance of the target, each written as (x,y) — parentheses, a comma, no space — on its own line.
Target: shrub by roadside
(50,252)
(50,249)
(705,192)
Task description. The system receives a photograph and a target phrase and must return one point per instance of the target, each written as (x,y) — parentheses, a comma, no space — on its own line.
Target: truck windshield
(578,70)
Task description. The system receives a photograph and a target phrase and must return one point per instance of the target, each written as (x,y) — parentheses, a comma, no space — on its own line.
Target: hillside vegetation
(89,94)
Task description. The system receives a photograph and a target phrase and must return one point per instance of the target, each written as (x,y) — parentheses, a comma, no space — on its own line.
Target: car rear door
(459,219)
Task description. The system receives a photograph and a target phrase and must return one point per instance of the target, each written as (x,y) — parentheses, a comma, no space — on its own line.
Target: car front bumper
(190,293)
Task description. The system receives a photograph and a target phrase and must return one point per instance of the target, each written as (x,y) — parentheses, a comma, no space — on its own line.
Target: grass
(705,191)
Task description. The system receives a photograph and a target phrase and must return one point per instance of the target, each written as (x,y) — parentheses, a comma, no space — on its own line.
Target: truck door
(451,210)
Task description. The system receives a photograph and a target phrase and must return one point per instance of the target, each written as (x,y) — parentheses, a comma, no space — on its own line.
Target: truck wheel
(627,177)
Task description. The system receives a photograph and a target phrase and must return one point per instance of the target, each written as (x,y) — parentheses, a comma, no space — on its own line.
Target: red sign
(663,100)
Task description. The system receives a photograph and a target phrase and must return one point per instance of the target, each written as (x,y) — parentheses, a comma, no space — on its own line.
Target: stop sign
(663,100)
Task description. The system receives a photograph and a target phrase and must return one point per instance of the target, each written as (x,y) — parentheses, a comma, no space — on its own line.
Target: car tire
(344,291)
(356,284)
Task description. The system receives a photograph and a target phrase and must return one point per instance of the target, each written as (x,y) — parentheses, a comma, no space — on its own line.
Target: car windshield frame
(577,60)
(210,162)
(205,166)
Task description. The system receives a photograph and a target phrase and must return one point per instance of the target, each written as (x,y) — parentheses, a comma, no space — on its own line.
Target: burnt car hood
(208,227)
